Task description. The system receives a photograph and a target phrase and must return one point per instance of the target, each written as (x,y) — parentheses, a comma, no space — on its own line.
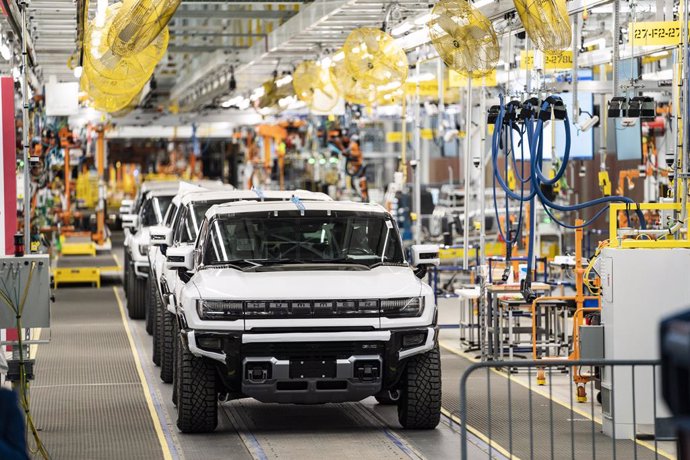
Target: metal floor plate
(104,259)
(87,398)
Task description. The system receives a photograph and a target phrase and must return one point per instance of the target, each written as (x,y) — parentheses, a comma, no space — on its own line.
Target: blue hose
(536,178)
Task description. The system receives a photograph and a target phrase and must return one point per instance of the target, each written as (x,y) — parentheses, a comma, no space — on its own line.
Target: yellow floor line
(494,445)
(545,394)
(167,455)
(117,261)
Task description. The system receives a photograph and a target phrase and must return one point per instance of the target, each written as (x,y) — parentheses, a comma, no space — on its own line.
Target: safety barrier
(514,418)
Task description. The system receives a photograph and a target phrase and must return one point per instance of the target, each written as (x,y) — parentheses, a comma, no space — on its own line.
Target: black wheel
(176,360)
(197,394)
(420,395)
(149,311)
(137,298)
(156,312)
(389,398)
(125,274)
(165,343)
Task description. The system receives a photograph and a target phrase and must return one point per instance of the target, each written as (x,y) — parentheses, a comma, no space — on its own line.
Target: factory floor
(97,395)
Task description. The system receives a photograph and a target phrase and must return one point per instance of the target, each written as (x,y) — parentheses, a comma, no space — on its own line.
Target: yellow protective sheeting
(374,58)
(138,24)
(313,86)
(464,38)
(353,90)
(546,22)
(112,81)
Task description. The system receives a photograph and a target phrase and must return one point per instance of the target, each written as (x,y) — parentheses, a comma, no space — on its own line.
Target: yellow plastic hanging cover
(546,22)
(353,90)
(373,57)
(463,37)
(313,86)
(272,94)
(138,24)
(112,81)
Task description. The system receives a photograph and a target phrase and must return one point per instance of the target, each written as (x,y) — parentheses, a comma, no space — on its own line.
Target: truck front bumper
(311,367)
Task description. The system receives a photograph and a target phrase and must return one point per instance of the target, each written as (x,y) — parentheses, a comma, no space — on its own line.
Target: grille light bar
(257,309)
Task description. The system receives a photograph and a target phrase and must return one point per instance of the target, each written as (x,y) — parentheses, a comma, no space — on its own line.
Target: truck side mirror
(130,221)
(161,235)
(425,255)
(181,257)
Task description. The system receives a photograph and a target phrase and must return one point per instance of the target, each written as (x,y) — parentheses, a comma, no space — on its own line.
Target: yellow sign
(457,80)
(395,137)
(427,134)
(558,60)
(648,33)
(526,60)
(427,88)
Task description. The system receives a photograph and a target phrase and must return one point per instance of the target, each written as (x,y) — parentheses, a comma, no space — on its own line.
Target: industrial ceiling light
(284,80)
(77,70)
(5,51)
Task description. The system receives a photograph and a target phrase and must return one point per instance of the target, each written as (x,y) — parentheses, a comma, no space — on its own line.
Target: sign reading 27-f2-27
(655,33)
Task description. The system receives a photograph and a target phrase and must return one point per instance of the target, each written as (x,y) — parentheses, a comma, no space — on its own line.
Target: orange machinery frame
(578,318)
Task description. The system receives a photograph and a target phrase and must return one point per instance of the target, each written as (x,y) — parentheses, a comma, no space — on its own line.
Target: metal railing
(620,413)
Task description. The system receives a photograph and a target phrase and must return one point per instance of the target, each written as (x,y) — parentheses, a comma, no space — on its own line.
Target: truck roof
(242,207)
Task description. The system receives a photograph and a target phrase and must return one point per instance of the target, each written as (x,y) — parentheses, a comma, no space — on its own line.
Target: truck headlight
(219,310)
(402,308)
(143,249)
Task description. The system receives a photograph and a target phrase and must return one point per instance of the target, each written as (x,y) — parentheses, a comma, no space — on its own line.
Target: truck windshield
(250,242)
(154,209)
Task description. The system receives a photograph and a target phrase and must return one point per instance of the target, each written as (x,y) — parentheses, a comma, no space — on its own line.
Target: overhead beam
(202,48)
(189,32)
(233,14)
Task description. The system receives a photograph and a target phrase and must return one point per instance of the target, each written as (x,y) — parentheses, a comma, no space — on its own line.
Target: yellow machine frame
(614,242)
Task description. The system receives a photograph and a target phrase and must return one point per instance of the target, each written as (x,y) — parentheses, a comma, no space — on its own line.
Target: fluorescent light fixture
(100,13)
(600,43)
(257,93)
(234,101)
(482,3)
(5,51)
(414,39)
(16,73)
(284,80)
(423,19)
(326,62)
(339,56)
(244,104)
(78,71)
(425,76)
(391,86)
(657,54)
(401,29)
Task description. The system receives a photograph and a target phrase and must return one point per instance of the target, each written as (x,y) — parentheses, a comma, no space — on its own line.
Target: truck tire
(419,407)
(156,311)
(165,343)
(125,273)
(149,312)
(137,298)
(176,361)
(197,394)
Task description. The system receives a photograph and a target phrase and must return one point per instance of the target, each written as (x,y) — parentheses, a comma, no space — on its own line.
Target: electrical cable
(18,310)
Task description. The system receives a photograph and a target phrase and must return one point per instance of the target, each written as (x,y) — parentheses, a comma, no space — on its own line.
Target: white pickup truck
(304,302)
(180,229)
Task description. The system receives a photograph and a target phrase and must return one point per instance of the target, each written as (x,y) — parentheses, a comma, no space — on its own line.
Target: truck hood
(380,282)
